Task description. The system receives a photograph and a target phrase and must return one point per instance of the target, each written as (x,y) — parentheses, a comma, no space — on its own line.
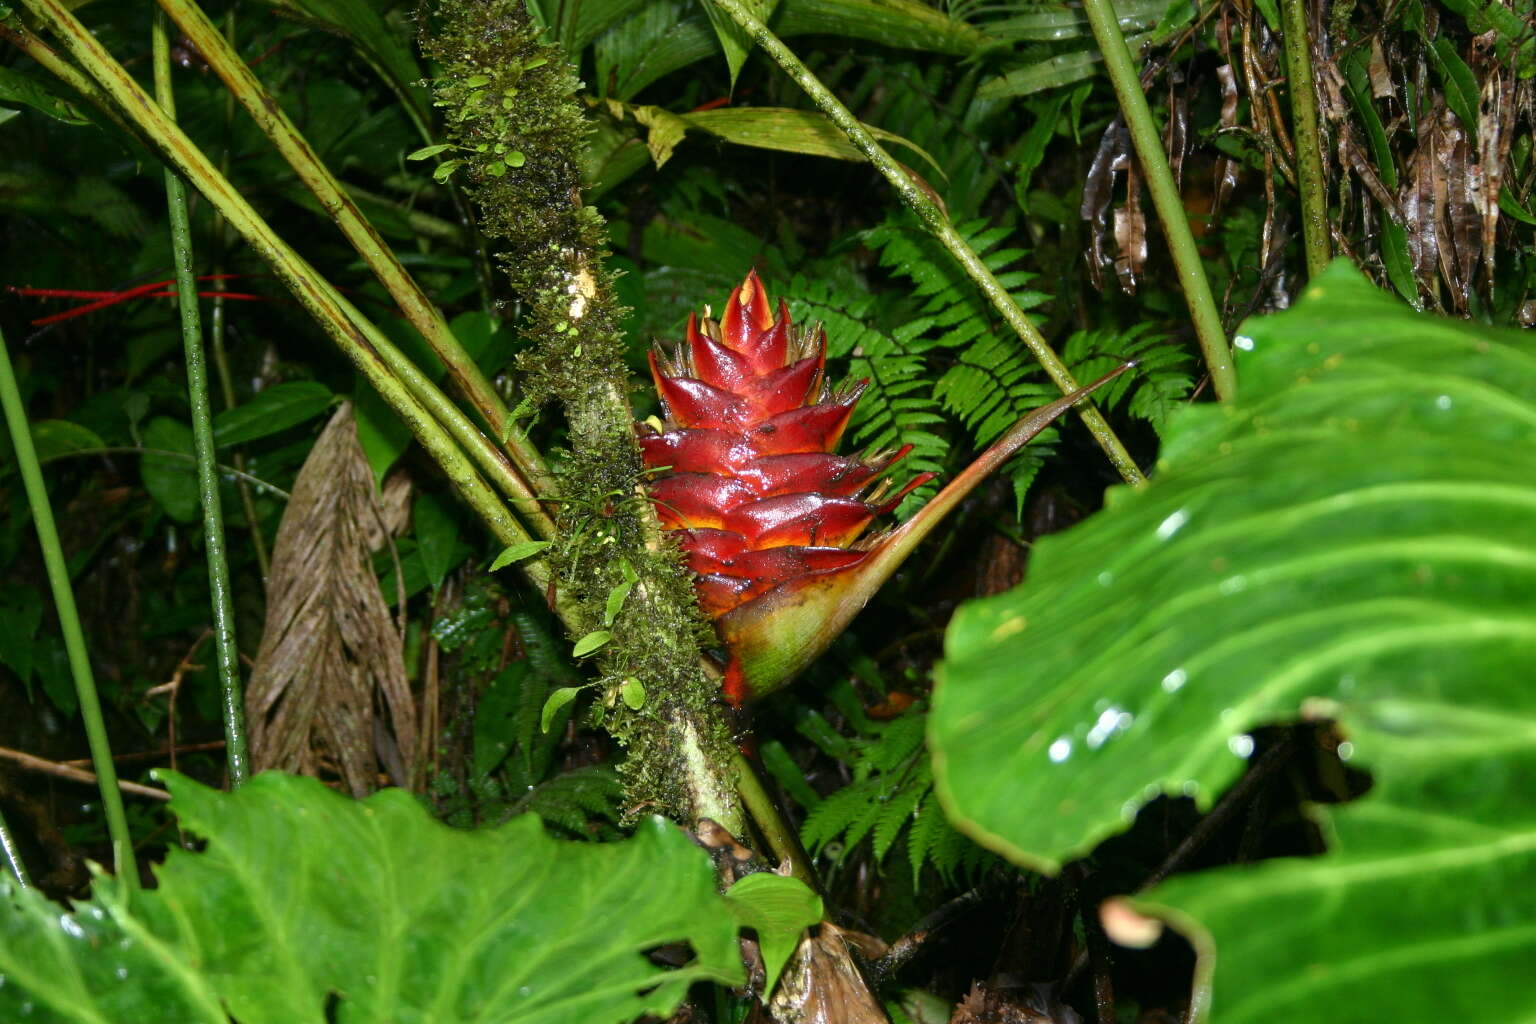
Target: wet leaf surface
(1352,541)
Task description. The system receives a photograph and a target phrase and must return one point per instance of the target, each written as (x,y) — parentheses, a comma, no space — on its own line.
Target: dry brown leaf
(329,694)
(1114,155)
(1130,234)
(821,984)
(1226,167)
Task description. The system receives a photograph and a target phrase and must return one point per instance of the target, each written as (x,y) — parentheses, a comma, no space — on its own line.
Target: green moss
(516,130)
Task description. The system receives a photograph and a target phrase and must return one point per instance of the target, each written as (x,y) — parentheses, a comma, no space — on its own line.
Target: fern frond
(577,799)
(1158,384)
(993,381)
(897,407)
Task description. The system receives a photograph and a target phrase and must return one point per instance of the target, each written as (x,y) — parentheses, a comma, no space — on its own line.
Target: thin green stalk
(236,751)
(13,855)
(1309,146)
(312,171)
(935,220)
(1148,140)
(69,622)
(401,384)
(778,832)
(166,453)
(216,331)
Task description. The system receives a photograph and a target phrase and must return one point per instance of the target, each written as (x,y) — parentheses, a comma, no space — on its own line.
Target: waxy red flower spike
(770,518)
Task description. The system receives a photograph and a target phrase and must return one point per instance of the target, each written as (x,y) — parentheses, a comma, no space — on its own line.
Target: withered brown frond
(329,695)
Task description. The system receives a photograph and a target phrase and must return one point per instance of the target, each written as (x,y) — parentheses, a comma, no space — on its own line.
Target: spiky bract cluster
(752,485)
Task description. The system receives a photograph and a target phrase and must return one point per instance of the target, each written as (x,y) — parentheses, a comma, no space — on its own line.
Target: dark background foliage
(1427,110)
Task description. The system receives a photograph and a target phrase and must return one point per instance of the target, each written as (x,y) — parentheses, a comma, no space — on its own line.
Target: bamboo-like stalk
(1148,140)
(13,855)
(401,384)
(376,254)
(1310,178)
(935,220)
(69,621)
(226,653)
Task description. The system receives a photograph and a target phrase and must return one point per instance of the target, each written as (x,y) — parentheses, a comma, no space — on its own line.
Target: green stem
(1148,140)
(1309,153)
(934,219)
(13,855)
(216,332)
(765,813)
(236,752)
(166,453)
(423,315)
(69,621)
(402,386)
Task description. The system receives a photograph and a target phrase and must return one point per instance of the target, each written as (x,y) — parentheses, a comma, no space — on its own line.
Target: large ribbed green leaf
(309,907)
(1354,539)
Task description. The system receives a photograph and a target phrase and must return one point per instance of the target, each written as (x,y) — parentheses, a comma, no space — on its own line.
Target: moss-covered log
(516,130)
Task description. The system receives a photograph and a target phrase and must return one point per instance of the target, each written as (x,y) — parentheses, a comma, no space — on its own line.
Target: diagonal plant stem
(935,220)
(69,622)
(13,855)
(1148,140)
(401,384)
(1310,178)
(236,751)
(418,309)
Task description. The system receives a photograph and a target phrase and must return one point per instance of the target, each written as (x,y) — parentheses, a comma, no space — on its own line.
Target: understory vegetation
(346,672)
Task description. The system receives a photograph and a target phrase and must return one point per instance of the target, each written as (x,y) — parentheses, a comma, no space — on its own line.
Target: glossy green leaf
(172,482)
(518,552)
(734,41)
(779,909)
(437,537)
(382,434)
(1354,539)
(1460,84)
(633,692)
(17,87)
(557,700)
(790,131)
(903,24)
(55,439)
(591,642)
(277,408)
(305,898)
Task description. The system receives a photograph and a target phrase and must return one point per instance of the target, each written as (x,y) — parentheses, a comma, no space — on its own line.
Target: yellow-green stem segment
(227,655)
(935,220)
(69,622)
(375,252)
(381,364)
(1309,146)
(1148,141)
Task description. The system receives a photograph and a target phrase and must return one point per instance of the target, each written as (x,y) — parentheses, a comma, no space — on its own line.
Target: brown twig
(150,755)
(42,766)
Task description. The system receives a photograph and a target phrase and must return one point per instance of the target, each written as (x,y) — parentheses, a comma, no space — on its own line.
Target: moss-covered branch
(515,129)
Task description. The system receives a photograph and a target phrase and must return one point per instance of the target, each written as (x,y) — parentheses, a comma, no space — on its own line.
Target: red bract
(760,501)
(771,519)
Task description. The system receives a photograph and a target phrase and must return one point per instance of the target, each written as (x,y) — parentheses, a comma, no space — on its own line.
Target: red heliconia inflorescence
(750,480)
